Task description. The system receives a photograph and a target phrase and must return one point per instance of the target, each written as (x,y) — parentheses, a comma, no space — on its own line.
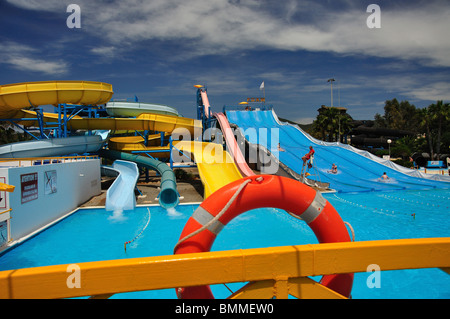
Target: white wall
(76,182)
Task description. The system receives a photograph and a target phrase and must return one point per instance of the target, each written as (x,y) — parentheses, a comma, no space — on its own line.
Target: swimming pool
(94,234)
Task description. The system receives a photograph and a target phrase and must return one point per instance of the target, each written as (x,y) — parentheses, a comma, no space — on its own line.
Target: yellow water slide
(15,98)
(150,121)
(216,167)
(136,143)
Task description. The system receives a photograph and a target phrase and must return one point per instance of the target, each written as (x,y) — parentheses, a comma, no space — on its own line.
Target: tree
(425,123)
(440,113)
(398,115)
(434,122)
(330,123)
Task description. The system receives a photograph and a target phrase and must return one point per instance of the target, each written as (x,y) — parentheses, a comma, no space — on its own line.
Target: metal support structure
(208,121)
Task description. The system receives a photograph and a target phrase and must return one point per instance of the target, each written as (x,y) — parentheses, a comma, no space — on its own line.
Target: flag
(261,87)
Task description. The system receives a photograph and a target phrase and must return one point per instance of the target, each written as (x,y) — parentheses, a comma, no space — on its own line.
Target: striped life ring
(263,191)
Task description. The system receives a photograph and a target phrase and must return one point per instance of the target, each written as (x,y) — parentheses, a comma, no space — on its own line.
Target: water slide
(52,147)
(216,167)
(14,97)
(120,195)
(356,173)
(168,195)
(134,109)
(136,143)
(150,121)
(232,146)
(205,100)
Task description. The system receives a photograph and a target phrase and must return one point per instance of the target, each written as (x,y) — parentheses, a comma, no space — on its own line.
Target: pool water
(94,235)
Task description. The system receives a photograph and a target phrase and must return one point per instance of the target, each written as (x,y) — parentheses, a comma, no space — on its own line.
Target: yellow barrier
(272,272)
(29,161)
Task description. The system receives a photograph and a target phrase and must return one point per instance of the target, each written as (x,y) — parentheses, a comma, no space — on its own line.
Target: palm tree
(425,122)
(325,123)
(345,125)
(439,112)
(331,123)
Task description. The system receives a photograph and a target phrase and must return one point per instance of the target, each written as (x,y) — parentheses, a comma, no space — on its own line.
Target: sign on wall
(29,187)
(50,182)
(3,233)
(3,204)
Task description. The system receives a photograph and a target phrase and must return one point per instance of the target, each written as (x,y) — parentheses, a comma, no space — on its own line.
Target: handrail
(6,211)
(32,160)
(275,271)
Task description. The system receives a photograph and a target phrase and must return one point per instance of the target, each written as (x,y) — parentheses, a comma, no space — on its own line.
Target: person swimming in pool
(384,176)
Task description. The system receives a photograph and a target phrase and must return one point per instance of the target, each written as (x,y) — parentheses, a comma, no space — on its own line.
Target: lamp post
(339,130)
(389,141)
(331,81)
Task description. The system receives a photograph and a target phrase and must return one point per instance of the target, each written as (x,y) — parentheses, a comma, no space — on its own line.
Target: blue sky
(158,49)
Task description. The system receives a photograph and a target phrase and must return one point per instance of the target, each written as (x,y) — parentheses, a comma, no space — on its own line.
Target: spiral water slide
(15,99)
(18,96)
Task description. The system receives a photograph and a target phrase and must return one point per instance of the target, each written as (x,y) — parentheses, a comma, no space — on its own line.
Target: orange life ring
(264,191)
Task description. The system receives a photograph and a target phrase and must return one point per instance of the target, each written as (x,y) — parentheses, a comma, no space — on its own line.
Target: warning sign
(29,187)
(50,182)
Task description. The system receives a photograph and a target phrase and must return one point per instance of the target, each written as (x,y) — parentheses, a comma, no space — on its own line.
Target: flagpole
(264,92)
(263,87)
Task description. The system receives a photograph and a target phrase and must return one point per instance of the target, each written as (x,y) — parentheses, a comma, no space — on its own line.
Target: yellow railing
(271,272)
(30,161)
(5,211)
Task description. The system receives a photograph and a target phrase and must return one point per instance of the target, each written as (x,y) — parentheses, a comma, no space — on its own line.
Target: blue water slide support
(65,120)
(170,148)
(40,119)
(162,138)
(201,115)
(168,196)
(200,108)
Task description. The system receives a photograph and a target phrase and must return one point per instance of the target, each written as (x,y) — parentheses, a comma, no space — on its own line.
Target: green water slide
(168,196)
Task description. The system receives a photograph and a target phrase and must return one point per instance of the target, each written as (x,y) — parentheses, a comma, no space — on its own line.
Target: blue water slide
(356,173)
(120,195)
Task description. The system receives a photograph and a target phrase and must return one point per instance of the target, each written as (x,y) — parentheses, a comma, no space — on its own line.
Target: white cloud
(220,26)
(38,5)
(36,65)
(22,57)
(304,120)
(106,52)
(430,91)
